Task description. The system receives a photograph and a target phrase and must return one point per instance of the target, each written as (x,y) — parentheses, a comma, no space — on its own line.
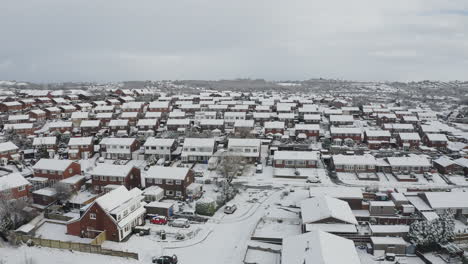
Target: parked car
(181,222)
(313,179)
(165,259)
(159,220)
(259,168)
(230,208)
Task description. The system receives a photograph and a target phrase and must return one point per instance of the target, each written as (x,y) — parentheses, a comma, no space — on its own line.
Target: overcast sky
(94,40)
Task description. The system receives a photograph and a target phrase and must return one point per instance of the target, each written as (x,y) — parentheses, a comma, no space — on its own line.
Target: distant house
(81,148)
(295,159)
(274,127)
(118,148)
(318,245)
(438,141)
(160,147)
(14,186)
(115,213)
(20,128)
(343,133)
(60,126)
(90,127)
(198,149)
(119,125)
(414,163)
(9,151)
(338,120)
(354,163)
(110,174)
(49,143)
(244,147)
(377,139)
(445,165)
(408,140)
(55,170)
(174,181)
(310,131)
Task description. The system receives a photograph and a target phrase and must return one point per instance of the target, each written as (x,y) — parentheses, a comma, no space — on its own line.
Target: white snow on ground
(10,255)
(58,232)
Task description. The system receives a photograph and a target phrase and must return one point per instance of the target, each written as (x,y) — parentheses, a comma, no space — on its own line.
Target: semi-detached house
(115,213)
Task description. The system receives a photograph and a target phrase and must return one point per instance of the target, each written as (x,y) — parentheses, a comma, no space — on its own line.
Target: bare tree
(245,132)
(63,191)
(228,168)
(12,213)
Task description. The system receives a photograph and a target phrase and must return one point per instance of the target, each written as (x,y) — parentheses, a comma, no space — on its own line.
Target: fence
(88,248)
(99,239)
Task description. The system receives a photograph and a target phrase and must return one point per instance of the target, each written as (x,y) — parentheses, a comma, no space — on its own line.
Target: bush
(206,207)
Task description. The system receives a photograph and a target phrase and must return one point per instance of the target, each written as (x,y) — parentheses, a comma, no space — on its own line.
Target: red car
(159,220)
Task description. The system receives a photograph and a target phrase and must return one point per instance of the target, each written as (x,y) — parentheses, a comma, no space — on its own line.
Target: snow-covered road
(228,240)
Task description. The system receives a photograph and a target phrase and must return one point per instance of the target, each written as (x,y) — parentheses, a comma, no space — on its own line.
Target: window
(70,170)
(21,188)
(169,182)
(170,193)
(92,216)
(178,193)
(178,182)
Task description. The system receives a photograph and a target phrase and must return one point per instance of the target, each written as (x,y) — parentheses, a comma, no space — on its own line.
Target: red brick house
(274,127)
(61,126)
(14,186)
(408,140)
(355,163)
(10,106)
(116,213)
(343,133)
(438,141)
(159,106)
(173,180)
(38,114)
(45,196)
(56,170)
(109,174)
(311,131)
(8,150)
(21,128)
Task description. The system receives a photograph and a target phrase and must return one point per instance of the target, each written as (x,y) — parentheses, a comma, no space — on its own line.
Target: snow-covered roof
(104,169)
(117,197)
(7,146)
(412,161)
(244,123)
(324,207)
(312,127)
(52,164)
(118,122)
(444,200)
(117,141)
(244,142)
(12,180)
(295,155)
(79,115)
(274,125)
(147,122)
(48,191)
(341,118)
(199,142)
(90,123)
(444,161)
(365,159)
(318,247)
(378,133)
(59,124)
(337,192)
(77,141)
(39,141)
(388,241)
(164,142)
(437,137)
(409,136)
(390,229)
(345,130)
(171,173)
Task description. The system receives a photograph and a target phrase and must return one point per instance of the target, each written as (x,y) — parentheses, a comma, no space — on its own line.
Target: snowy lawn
(58,232)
